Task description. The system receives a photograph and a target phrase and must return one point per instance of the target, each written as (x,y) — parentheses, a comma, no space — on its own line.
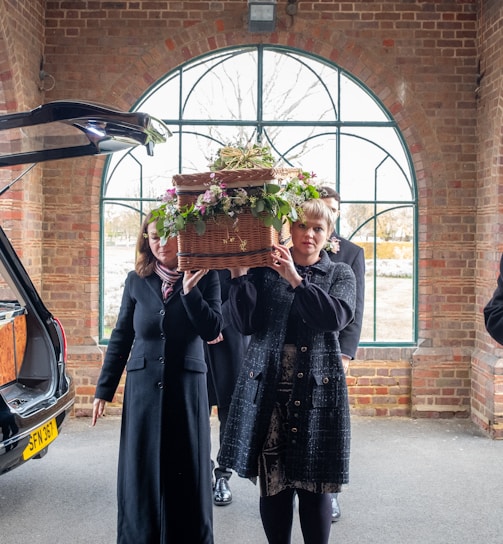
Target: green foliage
(272,204)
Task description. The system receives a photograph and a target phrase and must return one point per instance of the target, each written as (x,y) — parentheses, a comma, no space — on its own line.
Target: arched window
(313,115)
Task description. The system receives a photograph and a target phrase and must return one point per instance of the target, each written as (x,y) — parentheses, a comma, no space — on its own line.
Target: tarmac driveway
(412,482)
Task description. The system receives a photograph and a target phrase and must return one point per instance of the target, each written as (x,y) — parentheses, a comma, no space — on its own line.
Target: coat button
(300,374)
(160,385)
(162,312)
(325,380)
(161,359)
(294,429)
(251,374)
(296,402)
(303,349)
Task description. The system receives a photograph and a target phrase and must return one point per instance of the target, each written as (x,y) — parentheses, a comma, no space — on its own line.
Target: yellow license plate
(40,438)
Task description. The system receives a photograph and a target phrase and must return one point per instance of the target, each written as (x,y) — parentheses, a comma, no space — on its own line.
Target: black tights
(315,513)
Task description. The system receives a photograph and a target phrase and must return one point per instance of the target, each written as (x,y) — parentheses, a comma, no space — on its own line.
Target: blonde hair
(315,208)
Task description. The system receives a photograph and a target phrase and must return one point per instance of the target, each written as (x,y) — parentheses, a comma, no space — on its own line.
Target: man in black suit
(347,252)
(224,357)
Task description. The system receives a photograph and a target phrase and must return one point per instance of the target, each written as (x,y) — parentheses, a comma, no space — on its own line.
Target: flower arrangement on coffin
(272,204)
(235,212)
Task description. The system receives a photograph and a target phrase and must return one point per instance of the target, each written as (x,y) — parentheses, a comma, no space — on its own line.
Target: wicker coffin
(189,186)
(227,243)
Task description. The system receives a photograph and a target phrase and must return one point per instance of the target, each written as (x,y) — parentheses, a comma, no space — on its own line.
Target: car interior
(25,361)
(34,388)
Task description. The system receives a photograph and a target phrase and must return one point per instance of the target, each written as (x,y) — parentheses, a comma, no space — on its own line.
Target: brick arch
(331,45)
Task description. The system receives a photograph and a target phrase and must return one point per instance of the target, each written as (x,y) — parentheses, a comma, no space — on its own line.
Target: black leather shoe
(222,495)
(336,509)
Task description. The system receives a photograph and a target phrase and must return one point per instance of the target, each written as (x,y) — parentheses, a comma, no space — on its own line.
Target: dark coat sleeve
(352,254)
(327,311)
(319,309)
(203,307)
(493,312)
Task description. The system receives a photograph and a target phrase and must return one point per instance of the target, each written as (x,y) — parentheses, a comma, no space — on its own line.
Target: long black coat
(318,416)
(164,473)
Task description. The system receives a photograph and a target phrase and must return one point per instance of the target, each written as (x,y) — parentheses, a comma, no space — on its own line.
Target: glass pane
(311,148)
(214,89)
(200,144)
(393,320)
(298,89)
(138,175)
(356,222)
(370,170)
(389,257)
(357,104)
(163,101)
(8,297)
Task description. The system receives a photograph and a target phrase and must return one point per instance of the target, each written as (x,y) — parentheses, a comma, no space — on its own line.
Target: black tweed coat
(318,414)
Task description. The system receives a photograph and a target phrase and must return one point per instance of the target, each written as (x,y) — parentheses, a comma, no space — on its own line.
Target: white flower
(333,245)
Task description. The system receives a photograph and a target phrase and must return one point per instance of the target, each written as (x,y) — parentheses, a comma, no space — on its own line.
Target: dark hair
(329,192)
(145,260)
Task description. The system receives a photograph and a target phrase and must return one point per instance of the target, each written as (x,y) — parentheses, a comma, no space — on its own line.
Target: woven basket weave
(226,243)
(243,177)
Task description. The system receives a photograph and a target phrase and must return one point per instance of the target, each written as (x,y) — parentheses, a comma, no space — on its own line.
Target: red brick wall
(21,49)
(420,58)
(487,366)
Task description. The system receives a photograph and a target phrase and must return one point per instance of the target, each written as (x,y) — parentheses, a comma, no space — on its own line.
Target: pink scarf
(168,277)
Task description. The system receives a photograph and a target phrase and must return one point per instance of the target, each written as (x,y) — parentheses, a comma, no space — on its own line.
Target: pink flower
(208,196)
(169,195)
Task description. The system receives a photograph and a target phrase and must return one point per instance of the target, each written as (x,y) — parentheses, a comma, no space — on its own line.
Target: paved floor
(412,482)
